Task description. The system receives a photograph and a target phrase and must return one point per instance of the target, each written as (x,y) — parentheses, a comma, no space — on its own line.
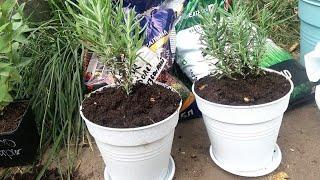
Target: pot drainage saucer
(276,160)
(171,169)
(169,175)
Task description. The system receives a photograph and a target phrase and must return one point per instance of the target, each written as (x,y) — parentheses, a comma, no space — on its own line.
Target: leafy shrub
(12,29)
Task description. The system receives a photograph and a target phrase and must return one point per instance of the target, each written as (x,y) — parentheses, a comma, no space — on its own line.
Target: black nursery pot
(19,147)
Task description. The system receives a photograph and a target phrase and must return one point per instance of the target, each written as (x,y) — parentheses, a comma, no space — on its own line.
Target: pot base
(169,176)
(276,160)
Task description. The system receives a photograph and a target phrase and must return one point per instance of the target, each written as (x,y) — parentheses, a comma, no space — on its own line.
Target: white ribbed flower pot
(136,153)
(243,138)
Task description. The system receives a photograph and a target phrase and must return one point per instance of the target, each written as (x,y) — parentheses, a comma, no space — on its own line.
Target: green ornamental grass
(53,81)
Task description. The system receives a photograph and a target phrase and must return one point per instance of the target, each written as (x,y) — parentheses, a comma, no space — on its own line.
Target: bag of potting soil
(280,60)
(159,31)
(158,26)
(189,17)
(181,36)
(95,74)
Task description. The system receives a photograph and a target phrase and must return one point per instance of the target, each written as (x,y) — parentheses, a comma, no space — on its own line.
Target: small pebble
(246,99)
(193,156)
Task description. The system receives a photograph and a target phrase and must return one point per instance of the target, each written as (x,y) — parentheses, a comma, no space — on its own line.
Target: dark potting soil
(10,117)
(146,105)
(249,91)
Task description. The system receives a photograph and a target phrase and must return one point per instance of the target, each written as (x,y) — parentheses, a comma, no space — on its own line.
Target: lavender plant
(238,44)
(111,32)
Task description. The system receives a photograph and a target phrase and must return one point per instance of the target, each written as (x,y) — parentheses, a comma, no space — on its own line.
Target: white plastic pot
(243,138)
(312,63)
(136,153)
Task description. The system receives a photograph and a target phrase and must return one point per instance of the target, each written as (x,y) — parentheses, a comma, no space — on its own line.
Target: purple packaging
(141,5)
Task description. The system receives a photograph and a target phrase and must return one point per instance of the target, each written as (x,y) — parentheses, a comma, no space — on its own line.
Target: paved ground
(299,141)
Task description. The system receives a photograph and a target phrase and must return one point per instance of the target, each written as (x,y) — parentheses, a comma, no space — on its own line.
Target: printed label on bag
(190,58)
(148,66)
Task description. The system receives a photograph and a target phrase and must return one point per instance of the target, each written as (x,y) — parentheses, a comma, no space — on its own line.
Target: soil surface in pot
(253,90)
(146,105)
(10,117)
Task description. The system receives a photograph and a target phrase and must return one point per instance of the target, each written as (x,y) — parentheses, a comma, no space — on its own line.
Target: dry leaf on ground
(280,176)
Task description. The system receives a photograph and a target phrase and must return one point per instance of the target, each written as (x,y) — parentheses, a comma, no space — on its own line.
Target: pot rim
(137,128)
(249,106)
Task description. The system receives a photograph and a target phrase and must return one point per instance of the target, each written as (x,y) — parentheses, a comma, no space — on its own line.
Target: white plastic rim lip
(137,128)
(251,106)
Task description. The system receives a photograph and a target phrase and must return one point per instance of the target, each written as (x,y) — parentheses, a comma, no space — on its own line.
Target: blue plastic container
(309,13)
